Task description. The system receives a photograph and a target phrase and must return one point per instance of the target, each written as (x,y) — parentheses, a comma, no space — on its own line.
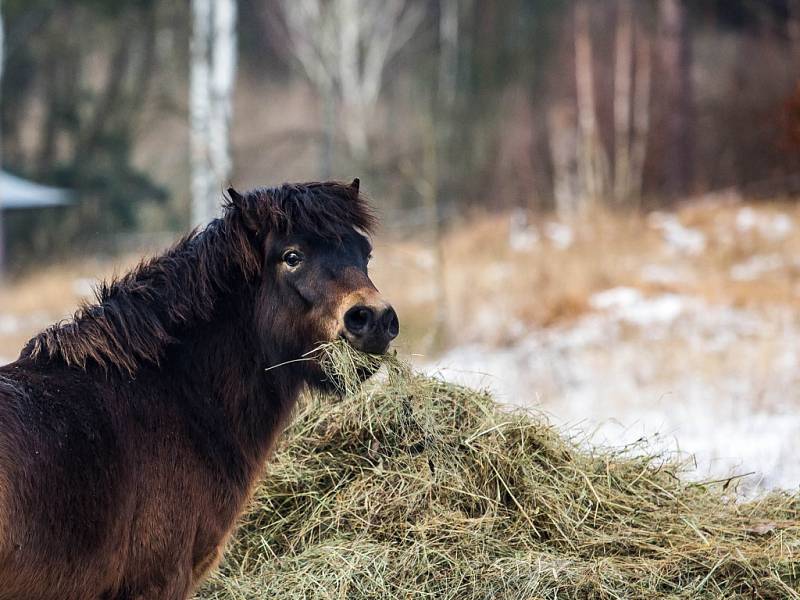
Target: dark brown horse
(132,436)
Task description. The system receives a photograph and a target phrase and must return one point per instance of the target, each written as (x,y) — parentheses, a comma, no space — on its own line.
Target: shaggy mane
(323,209)
(137,315)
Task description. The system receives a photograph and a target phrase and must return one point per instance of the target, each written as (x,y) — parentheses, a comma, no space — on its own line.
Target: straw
(410,487)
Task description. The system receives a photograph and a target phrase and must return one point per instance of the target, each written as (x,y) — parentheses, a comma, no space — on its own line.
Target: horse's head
(314,285)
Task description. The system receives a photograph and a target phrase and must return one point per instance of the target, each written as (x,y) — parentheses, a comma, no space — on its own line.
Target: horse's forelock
(324,209)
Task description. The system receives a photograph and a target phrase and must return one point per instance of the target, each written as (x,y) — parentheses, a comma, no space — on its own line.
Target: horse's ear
(244,209)
(236,198)
(356,184)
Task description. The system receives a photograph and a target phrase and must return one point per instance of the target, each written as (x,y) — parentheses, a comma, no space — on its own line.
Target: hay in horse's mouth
(347,368)
(414,487)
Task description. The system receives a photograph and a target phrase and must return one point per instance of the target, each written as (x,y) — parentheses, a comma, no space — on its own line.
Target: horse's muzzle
(371,328)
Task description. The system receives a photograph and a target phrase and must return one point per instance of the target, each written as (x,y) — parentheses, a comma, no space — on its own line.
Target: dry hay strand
(410,487)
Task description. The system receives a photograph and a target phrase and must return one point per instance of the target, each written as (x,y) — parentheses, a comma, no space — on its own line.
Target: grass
(493,291)
(410,487)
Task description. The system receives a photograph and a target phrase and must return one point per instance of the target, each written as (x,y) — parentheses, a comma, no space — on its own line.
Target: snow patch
(559,234)
(756,266)
(773,227)
(715,381)
(679,238)
(664,275)
(522,237)
(628,304)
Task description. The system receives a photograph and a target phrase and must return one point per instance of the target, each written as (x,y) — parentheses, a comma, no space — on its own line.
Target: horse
(133,434)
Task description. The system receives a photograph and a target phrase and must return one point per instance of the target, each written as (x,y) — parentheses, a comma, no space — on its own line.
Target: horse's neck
(220,362)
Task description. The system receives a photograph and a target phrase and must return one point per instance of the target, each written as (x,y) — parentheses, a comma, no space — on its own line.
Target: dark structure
(132,435)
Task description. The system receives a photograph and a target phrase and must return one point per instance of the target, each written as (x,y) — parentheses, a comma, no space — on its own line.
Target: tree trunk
(2,210)
(344,46)
(62,83)
(223,76)
(328,131)
(563,138)
(793,26)
(109,98)
(676,97)
(445,104)
(143,76)
(46,147)
(351,71)
(622,101)
(641,115)
(593,163)
(213,68)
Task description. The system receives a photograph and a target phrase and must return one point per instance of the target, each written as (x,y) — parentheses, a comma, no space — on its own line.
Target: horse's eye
(292,258)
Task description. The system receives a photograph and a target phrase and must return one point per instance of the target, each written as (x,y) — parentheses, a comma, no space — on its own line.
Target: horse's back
(57,460)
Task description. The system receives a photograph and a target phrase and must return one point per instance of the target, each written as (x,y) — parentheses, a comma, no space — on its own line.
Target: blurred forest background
(440,106)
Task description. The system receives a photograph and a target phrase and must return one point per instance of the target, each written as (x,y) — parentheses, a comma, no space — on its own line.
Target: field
(681,327)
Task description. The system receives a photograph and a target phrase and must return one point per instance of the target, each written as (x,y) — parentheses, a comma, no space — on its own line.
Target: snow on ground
(770,226)
(757,266)
(717,382)
(559,234)
(683,240)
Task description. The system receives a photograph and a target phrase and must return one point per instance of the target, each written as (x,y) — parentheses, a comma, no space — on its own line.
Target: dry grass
(414,488)
(494,292)
(33,301)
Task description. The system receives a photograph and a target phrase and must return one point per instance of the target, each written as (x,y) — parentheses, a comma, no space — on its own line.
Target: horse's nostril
(390,322)
(358,319)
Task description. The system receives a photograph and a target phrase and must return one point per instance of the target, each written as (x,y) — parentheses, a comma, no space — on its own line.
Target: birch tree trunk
(213,72)
(2,210)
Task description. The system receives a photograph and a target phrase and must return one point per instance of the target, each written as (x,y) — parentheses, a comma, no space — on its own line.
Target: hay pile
(415,488)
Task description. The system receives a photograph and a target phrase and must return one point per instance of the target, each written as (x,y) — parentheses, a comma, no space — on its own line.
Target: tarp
(16,192)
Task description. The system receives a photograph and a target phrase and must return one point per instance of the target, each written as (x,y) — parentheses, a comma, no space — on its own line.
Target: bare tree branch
(343,46)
